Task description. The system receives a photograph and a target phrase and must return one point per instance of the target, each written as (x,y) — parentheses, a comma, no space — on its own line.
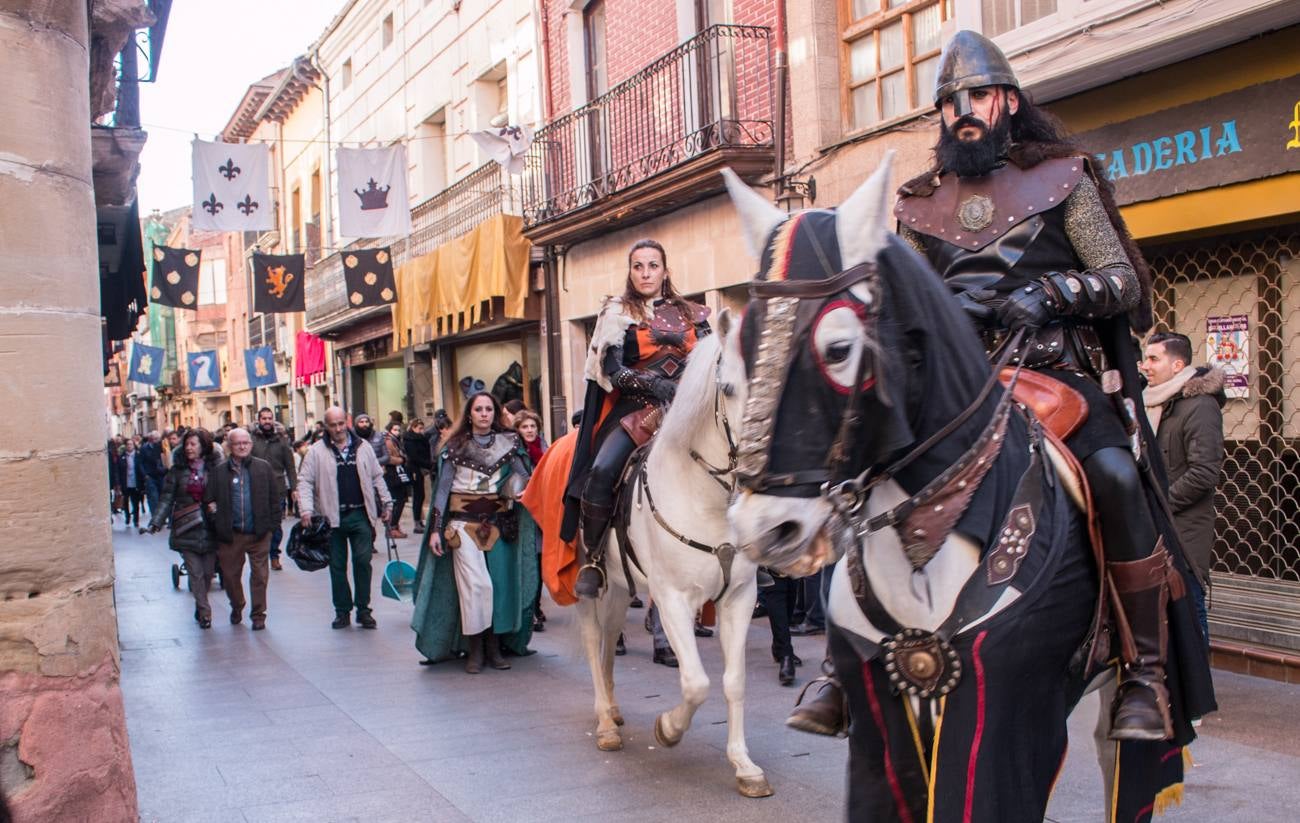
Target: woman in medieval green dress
(478,565)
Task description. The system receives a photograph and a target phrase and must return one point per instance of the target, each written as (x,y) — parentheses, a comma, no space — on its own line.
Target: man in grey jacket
(1185,406)
(340,479)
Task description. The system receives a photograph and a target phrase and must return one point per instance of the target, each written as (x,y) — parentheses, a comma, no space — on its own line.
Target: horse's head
(835,346)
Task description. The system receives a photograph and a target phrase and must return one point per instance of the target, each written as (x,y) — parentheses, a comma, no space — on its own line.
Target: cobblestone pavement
(304,723)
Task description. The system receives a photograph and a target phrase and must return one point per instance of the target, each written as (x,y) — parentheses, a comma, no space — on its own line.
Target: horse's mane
(693,402)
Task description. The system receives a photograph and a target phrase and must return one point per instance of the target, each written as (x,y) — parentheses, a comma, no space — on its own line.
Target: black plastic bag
(310,548)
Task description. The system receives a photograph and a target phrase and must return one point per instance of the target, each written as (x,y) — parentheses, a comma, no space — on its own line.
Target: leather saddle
(1060,409)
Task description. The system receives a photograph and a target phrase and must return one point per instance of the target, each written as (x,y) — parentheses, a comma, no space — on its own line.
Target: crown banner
(204,369)
(260,365)
(277,283)
(232,187)
(369,277)
(175,277)
(146,364)
(372,192)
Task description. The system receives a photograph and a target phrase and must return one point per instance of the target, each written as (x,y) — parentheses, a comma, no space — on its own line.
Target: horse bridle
(784,325)
(721,420)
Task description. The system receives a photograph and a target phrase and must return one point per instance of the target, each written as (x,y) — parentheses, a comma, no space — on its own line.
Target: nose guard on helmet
(961,105)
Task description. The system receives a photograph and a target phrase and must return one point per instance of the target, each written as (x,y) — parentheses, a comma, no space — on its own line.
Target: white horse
(682,496)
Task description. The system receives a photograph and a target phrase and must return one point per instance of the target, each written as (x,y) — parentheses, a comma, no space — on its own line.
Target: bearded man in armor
(1014,217)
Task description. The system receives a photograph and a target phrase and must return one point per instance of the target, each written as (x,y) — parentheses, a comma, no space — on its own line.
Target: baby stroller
(180,570)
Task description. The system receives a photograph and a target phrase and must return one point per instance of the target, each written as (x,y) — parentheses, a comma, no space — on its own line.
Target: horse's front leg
(591,617)
(677,614)
(735,612)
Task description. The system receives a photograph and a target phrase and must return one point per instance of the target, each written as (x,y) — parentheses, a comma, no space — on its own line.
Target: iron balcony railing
(711,92)
(483,193)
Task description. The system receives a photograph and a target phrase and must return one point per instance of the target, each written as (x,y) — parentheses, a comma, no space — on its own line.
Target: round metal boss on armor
(921,663)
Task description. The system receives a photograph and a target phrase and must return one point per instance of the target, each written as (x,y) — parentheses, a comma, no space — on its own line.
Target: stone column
(63,742)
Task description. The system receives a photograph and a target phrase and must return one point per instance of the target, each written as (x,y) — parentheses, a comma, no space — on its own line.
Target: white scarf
(1155,397)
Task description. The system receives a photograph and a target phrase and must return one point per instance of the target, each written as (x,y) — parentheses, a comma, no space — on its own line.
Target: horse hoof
(610,741)
(660,737)
(754,786)
(616,716)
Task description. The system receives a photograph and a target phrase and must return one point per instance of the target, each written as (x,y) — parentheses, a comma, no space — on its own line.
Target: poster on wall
(1227,345)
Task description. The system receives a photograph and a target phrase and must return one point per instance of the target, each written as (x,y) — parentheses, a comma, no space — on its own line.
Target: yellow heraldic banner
(451,288)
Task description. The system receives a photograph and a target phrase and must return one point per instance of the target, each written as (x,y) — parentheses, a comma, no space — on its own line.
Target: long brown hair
(633,299)
(465,426)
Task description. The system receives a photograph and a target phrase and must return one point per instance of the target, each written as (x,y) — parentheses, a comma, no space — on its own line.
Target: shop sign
(1227,345)
(1242,135)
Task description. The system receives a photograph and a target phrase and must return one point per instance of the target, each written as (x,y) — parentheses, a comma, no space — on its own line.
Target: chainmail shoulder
(1096,243)
(913,239)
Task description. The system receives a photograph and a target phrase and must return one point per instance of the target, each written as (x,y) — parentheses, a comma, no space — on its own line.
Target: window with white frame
(432,154)
(1002,16)
(345,76)
(890,57)
(386,32)
(212,281)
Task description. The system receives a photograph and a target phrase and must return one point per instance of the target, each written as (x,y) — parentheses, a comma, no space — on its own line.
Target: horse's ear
(757,216)
(862,221)
(724,322)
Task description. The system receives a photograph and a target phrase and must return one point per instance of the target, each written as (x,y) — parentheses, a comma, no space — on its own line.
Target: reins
(724,552)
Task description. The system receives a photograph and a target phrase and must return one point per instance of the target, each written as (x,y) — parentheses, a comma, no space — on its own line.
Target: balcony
(457,209)
(656,141)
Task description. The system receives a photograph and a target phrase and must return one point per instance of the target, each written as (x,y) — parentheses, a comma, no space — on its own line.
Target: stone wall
(63,746)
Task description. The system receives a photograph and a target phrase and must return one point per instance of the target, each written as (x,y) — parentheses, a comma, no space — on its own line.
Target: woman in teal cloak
(478,564)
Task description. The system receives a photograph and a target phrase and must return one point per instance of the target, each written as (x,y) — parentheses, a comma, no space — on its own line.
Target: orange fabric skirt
(544,499)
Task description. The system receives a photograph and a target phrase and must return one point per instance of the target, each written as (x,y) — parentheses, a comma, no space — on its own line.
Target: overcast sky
(213,51)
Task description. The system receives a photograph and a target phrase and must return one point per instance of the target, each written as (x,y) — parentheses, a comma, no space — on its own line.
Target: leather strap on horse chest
(924,663)
(724,552)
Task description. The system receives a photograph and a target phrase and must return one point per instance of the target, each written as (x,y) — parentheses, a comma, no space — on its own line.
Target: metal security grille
(1259,497)
(1201,286)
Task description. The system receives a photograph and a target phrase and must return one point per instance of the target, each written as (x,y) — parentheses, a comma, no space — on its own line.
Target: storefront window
(508,367)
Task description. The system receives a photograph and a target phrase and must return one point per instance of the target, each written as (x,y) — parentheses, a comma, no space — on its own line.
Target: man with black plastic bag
(341,480)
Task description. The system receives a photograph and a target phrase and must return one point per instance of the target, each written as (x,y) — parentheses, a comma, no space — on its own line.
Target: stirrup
(806,719)
(583,591)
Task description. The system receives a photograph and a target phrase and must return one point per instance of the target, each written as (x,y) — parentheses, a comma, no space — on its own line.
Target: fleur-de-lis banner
(175,279)
(146,364)
(369,277)
(277,282)
(232,187)
(204,368)
(260,365)
(372,192)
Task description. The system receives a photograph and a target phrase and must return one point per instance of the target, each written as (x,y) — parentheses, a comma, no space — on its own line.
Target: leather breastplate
(1028,243)
(663,343)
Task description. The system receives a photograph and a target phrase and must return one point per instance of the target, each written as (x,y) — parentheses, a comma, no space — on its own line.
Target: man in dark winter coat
(151,458)
(275,449)
(243,498)
(1185,406)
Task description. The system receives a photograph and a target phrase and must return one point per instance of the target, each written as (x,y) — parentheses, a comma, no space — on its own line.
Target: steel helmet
(970,61)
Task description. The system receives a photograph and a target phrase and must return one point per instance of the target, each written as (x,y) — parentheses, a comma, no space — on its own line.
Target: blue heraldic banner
(260,364)
(146,364)
(204,370)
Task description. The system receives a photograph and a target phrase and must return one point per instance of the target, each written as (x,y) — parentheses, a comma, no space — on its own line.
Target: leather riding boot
(827,713)
(492,650)
(595,523)
(474,661)
(1141,710)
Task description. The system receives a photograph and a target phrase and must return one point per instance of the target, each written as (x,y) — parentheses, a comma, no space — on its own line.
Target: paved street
(304,723)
